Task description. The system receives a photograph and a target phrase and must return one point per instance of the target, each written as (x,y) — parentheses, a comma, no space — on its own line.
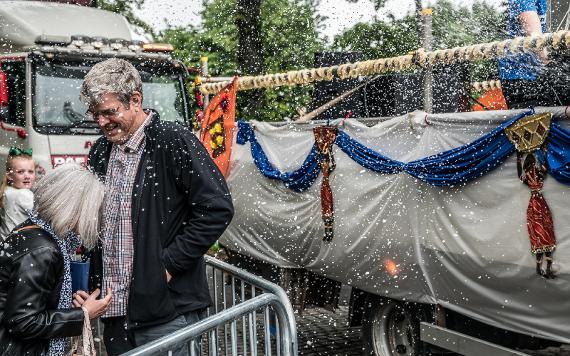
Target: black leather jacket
(31,276)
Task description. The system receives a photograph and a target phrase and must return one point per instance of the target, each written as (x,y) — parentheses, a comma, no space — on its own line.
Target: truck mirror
(3,88)
(3,95)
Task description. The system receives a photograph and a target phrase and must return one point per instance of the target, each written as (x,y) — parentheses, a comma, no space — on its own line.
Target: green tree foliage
(380,39)
(289,39)
(378,4)
(459,26)
(452,26)
(250,53)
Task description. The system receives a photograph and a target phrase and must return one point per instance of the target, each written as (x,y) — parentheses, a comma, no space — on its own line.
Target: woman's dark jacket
(31,276)
(180,207)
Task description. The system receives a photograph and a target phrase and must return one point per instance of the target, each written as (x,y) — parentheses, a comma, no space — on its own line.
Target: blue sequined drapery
(448,168)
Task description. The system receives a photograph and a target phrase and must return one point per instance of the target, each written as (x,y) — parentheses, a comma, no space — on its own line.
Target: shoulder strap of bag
(84,345)
(88,342)
(27,227)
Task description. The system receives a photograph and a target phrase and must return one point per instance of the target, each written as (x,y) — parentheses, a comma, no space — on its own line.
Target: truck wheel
(390,329)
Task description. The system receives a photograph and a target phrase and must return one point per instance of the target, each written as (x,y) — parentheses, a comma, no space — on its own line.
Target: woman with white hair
(36,311)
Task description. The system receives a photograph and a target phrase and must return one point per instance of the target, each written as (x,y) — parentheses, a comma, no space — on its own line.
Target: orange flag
(218,124)
(493,99)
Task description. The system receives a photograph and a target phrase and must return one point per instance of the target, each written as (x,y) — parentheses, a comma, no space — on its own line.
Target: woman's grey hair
(69,198)
(112,76)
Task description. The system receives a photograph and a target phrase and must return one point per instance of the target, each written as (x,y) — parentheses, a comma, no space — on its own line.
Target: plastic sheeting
(464,247)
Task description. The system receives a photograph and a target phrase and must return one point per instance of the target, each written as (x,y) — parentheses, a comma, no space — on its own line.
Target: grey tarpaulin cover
(464,247)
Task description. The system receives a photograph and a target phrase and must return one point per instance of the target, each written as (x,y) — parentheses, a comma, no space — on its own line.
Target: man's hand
(543,56)
(530,24)
(168,277)
(96,307)
(79,298)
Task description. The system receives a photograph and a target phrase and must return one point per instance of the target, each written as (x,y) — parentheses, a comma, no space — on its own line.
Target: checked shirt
(117,229)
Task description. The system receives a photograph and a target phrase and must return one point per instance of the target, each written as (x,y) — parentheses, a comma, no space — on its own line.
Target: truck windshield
(57,107)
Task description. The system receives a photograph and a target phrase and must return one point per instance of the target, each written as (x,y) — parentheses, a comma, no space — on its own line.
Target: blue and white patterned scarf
(67,245)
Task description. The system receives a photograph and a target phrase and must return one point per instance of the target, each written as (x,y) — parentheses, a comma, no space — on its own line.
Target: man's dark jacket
(180,207)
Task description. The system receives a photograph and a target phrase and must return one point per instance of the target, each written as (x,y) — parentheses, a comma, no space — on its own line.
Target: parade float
(450,229)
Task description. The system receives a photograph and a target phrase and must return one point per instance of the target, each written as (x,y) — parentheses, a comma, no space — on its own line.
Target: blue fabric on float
(467,162)
(559,153)
(448,168)
(367,157)
(298,180)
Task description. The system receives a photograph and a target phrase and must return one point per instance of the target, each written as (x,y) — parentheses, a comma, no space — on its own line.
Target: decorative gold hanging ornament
(529,133)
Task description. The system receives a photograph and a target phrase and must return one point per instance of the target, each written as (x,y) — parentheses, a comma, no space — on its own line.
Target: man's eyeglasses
(107,114)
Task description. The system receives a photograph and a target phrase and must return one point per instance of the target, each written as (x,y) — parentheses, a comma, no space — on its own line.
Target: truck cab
(46,49)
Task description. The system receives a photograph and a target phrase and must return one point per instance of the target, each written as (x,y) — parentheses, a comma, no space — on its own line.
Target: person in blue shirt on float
(524,76)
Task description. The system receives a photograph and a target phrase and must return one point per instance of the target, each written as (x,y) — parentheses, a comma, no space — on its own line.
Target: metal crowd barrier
(244,307)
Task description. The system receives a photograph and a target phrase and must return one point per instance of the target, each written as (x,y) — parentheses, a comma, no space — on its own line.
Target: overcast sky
(340,13)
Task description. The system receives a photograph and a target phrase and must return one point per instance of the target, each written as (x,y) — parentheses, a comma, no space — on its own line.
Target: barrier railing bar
(214,342)
(266,286)
(234,323)
(252,346)
(225,307)
(214,335)
(273,298)
(253,326)
(243,320)
(267,333)
(277,341)
(195,330)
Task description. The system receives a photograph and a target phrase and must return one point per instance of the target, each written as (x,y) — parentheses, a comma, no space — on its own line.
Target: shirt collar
(137,139)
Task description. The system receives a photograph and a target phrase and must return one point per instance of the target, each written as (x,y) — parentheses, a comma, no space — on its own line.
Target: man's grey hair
(112,76)
(69,198)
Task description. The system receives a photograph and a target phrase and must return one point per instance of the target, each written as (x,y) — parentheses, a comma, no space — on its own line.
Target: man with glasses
(166,203)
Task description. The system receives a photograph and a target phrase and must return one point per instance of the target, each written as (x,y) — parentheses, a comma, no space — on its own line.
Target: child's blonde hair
(14,153)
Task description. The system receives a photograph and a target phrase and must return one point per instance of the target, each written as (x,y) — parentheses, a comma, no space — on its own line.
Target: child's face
(23,173)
